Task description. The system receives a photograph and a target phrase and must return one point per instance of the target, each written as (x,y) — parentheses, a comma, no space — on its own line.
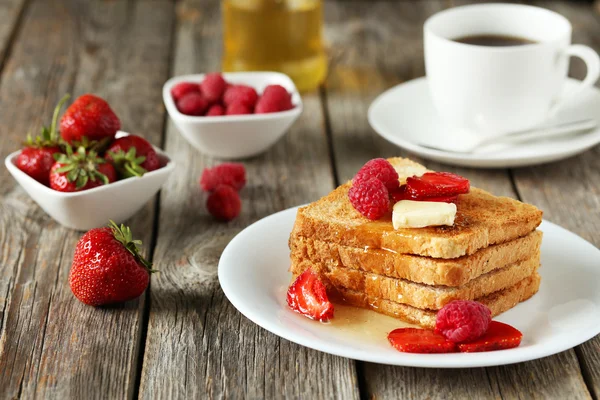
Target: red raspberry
(230,174)
(370,198)
(224,203)
(238,109)
(240,94)
(213,87)
(183,88)
(463,321)
(278,95)
(266,105)
(192,104)
(214,110)
(378,168)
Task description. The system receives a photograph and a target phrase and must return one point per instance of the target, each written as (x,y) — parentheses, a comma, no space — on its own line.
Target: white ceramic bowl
(94,207)
(235,136)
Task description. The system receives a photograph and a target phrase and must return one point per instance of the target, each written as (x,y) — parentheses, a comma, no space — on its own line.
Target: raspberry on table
(183,88)
(370,198)
(231,174)
(213,87)
(381,169)
(192,104)
(215,110)
(224,203)
(463,321)
(240,94)
(238,109)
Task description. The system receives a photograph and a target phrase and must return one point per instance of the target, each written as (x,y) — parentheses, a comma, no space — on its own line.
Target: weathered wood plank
(378,46)
(10,17)
(197,344)
(567,191)
(51,345)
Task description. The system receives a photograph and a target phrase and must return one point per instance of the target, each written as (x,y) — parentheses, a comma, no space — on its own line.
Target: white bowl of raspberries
(84,171)
(232,115)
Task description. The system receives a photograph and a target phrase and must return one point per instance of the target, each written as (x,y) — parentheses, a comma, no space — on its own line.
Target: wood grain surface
(53,346)
(197,344)
(183,339)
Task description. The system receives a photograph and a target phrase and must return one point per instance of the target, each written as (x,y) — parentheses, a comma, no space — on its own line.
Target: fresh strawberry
(132,156)
(73,172)
(307,296)
(402,194)
(91,117)
(183,88)
(37,157)
(107,267)
(437,184)
(213,86)
(415,340)
(499,336)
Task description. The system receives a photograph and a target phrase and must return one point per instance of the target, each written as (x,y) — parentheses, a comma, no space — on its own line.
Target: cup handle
(592,62)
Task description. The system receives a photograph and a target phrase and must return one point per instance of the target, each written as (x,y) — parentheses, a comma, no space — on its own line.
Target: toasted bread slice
(498,302)
(482,219)
(431,271)
(417,294)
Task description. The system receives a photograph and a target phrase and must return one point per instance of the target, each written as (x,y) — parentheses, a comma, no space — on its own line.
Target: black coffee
(493,40)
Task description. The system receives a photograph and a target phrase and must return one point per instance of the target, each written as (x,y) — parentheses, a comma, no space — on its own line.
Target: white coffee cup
(493,90)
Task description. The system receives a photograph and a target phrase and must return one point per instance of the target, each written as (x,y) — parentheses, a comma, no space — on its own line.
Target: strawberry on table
(415,340)
(308,297)
(80,170)
(91,117)
(132,156)
(37,157)
(107,267)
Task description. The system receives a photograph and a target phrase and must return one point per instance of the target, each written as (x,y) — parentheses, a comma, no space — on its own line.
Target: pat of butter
(406,171)
(419,214)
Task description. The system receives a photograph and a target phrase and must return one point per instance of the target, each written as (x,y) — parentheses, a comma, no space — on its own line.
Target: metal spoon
(527,135)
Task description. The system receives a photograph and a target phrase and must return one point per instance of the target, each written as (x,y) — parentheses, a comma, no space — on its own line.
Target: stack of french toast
(491,254)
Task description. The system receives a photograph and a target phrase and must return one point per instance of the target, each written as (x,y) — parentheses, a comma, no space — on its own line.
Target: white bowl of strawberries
(232,115)
(89,172)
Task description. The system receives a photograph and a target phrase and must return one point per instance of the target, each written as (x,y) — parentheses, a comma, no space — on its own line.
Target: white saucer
(253,272)
(405,116)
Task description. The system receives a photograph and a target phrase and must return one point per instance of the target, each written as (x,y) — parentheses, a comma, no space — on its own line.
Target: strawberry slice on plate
(437,184)
(499,336)
(415,340)
(308,297)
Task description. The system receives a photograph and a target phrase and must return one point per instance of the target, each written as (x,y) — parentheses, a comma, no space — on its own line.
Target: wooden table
(182,338)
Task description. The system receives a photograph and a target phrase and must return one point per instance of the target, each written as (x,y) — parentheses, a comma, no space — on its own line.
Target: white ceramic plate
(405,115)
(253,272)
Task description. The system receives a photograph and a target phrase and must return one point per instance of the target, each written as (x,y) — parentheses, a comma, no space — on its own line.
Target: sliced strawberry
(437,184)
(307,296)
(415,340)
(402,193)
(499,336)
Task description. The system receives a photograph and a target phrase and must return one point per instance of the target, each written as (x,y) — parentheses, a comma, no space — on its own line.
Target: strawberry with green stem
(108,267)
(132,155)
(80,170)
(37,157)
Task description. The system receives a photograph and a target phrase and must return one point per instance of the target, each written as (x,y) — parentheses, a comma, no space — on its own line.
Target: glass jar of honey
(275,35)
